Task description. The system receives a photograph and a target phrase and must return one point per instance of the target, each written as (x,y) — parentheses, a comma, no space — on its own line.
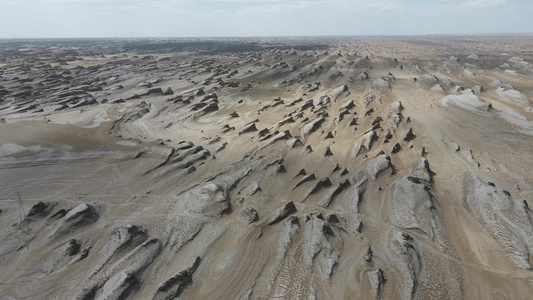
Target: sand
(271,168)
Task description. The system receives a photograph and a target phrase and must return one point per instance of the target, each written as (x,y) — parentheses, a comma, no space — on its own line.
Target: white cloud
(482,3)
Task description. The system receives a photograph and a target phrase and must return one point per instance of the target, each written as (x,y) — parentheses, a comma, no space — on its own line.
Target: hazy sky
(186,18)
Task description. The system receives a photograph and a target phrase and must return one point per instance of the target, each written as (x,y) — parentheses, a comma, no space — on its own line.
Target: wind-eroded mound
(466,101)
(266,169)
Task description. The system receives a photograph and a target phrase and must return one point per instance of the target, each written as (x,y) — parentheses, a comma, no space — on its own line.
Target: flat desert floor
(354,168)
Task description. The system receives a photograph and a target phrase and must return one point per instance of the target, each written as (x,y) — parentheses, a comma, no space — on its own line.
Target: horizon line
(282,36)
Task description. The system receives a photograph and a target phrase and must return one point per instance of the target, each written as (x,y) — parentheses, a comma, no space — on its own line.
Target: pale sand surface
(255,177)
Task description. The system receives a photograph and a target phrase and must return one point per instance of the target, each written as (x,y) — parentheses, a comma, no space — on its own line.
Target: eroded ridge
(266,169)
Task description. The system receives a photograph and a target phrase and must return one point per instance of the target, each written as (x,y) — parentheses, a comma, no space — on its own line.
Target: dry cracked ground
(267,168)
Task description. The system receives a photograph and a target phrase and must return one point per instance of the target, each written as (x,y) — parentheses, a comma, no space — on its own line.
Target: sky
(240,18)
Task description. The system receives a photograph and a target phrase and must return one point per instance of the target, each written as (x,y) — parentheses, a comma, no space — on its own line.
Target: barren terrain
(375,168)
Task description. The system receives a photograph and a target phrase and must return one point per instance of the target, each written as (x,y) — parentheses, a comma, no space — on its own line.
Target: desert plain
(267,168)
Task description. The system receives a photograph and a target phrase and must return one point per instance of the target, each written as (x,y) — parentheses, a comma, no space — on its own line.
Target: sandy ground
(267,169)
